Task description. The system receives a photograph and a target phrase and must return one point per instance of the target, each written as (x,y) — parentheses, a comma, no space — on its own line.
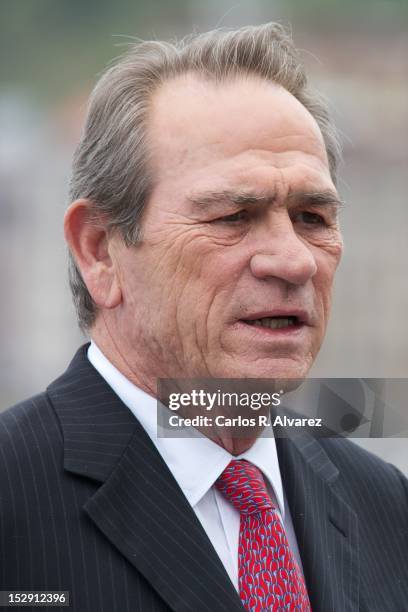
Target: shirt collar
(195,462)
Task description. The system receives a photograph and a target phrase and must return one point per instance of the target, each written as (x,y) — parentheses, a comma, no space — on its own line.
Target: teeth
(273,322)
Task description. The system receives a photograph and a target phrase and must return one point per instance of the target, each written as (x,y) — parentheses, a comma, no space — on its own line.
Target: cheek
(184,277)
(323,283)
(200,263)
(209,277)
(205,290)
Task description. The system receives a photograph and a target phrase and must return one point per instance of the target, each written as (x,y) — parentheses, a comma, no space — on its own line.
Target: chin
(275,369)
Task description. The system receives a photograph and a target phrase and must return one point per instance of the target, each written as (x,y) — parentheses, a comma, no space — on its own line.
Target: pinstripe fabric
(350,514)
(88,505)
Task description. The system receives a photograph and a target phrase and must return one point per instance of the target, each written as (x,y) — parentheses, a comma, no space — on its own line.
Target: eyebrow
(318,198)
(246,198)
(239,198)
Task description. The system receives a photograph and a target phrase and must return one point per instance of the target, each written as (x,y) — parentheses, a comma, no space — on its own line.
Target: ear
(90,245)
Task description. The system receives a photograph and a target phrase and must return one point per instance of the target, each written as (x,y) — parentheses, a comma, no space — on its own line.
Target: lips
(273,322)
(276,320)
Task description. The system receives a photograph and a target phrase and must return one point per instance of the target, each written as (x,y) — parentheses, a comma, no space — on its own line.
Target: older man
(204,240)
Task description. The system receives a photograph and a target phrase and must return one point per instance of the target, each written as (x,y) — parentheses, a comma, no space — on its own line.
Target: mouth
(277,323)
(273,322)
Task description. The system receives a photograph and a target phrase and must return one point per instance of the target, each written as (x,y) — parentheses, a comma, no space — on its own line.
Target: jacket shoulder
(364,471)
(28,430)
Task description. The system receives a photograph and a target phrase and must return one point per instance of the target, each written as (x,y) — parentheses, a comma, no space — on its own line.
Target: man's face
(240,245)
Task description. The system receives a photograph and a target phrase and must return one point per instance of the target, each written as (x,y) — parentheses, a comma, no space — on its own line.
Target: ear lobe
(88,241)
(114,293)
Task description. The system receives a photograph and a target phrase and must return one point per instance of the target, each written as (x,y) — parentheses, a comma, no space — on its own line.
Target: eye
(311,218)
(241,215)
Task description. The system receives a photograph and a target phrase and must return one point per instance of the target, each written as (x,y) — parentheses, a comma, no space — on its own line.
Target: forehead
(198,126)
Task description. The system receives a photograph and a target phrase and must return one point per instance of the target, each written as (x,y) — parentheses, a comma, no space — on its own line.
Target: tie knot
(243,485)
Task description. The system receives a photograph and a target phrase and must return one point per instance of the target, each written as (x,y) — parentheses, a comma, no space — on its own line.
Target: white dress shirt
(196,463)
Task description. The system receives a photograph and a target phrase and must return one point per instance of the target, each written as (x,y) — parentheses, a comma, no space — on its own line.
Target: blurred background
(52,51)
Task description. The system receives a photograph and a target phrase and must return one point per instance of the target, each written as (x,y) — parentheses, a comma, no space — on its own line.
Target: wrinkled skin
(171,306)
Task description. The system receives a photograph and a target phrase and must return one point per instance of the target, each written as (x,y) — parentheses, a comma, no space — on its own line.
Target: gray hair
(110,166)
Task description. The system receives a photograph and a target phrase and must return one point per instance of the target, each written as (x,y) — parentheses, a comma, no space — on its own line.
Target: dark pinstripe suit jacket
(88,505)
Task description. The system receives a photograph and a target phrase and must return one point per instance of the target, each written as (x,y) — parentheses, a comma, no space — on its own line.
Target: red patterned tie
(269,577)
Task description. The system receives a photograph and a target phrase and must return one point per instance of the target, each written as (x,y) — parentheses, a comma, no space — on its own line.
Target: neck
(117,355)
(140,376)
(236,446)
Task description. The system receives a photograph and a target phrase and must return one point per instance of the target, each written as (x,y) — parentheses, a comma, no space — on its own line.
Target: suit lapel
(139,506)
(326,527)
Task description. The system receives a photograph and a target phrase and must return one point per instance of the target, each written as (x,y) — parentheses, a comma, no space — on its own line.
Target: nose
(282,254)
